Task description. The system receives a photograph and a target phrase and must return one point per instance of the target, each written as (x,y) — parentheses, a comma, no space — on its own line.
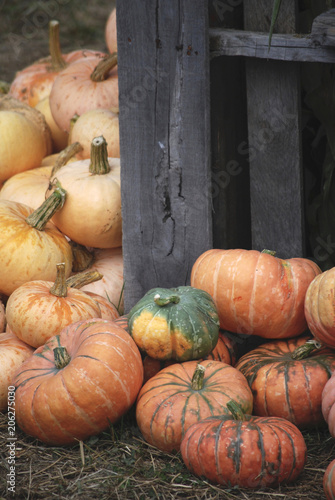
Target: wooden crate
(210,133)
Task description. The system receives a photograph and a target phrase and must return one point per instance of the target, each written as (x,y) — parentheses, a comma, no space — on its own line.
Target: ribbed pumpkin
(78,383)
(244,450)
(37,310)
(328,404)
(30,246)
(320,307)
(329,481)
(184,393)
(122,321)
(255,292)
(178,323)
(110,32)
(287,378)
(13,352)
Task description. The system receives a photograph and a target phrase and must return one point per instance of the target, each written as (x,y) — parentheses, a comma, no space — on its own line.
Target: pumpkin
(94,123)
(91,214)
(255,292)
(86,84)
(320,307)
(287,378)
(327,404)
(177,323)
(25,137)
(110,32)
(243,450)
(108,262)
(59,137)
(13,352)
(329,481)
(39,309)
(30,246)
(78,383)
(184,393)
(34,83)
(2,317)
(29,187)
(122,321)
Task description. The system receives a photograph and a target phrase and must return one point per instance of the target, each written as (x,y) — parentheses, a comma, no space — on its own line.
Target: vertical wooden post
(163,67)
(276,181)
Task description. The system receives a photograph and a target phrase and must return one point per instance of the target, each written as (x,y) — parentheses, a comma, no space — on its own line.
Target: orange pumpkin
(78,383)
(320,307)
(184,393)
(87,84)
(34,83)
(13,352)
(37,310)
(255,292)
(329,481)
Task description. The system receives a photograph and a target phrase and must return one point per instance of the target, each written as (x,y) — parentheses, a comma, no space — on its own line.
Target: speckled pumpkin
(178,323)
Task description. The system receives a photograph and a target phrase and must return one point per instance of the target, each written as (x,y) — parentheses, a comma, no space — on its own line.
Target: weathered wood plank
(323,29)
(164,140)
(284,47)
(276,183)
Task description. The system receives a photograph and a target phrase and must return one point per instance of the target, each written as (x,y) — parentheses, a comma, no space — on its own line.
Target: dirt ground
(24,29)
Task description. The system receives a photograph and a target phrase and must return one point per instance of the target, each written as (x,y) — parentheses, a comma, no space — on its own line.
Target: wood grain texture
(276,181)
(164,141)
(323,29)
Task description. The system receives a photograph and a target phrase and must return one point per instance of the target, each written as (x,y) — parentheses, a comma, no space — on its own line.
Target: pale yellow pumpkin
(110,32)
(59,137)
(91,214)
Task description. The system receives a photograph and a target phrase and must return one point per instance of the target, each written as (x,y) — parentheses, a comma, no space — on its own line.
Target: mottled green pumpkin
(178,323)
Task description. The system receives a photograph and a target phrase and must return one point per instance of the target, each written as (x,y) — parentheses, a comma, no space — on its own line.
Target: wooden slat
(276,183)
(163,67)
(323,29)
(284,47)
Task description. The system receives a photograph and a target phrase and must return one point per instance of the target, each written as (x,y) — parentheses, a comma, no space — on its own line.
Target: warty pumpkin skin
(13,352)
(255,292)
(254,452)
(320,307)
(61,403)
(27,253)
(178,323)
(184,393)
(287,378)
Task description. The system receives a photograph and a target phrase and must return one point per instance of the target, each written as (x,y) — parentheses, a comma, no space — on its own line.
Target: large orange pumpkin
(255,292)
(184,393)
(78,383)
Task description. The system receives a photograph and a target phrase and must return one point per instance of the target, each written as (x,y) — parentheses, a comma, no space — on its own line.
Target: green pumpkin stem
(62,357)
(197,382)
(235,410)
(164,301)
(65,155)
(4,87)
(82,257)
(303,351)
(84,278)
(100,72)
(59,288)
(269,252)
(99,157)
(41,216)
(57,61)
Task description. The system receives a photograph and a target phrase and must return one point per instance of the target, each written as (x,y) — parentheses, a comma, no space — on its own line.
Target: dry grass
(119,464)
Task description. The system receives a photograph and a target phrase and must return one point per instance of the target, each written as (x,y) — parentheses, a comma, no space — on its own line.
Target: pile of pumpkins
(78,363)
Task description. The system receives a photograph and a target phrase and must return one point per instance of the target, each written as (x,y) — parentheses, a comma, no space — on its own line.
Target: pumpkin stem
(4,87)
(269,252)
(84,278)
(197,382)
(163,301)
(59,288)
(236,410)
(303,351)
(62,357)
(64,156)
(57,61)
(99,157)
(82,257)
(100,72)
(41,216)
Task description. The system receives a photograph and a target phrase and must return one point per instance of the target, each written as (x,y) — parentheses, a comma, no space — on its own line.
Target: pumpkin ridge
(45,371)
(33,413)
(281,427)
(216,448)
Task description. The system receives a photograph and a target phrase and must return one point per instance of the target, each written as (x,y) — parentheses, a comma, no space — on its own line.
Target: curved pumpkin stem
(41,216)
(84,278)
(62,357)
(303,351)
(102,69)
(57,61)
(269,252)
(235,410)
(198,378)
(59,288)
(64,156)
(164,301)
